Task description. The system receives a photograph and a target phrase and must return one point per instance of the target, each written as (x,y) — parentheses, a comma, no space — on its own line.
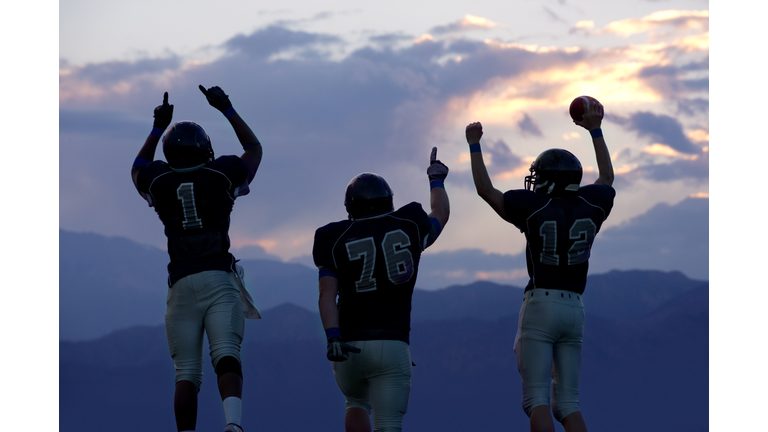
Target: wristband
(229,112)
(436,183)
(474,148)
(251,144)
(140,161)
(157,132)
(332,332)
(596,133)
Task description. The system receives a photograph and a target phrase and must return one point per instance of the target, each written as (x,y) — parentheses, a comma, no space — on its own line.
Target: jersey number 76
(397,257)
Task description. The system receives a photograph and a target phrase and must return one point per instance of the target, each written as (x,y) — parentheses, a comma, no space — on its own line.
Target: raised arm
(591,121)
(163,116)
(438,197)
(253,151)
(483,184)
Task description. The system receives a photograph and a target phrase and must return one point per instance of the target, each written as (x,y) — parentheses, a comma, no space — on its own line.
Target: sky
(333,89)
(401,78)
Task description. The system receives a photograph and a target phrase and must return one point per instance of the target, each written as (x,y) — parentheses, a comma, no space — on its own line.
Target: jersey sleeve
(520,203)
(600,195)
(146,176)
(237,172)
(428,230)
(322,253)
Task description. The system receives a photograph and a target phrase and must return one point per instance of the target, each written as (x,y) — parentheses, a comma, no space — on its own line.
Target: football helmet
(186,146)
(368,194)
(555,172)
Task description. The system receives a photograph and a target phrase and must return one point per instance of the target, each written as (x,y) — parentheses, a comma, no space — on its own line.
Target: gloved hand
(437,170)
(337,350)
(163,114)
(217,98)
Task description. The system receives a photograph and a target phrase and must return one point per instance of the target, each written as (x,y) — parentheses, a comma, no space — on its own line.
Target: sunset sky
(335,88)
(332,89)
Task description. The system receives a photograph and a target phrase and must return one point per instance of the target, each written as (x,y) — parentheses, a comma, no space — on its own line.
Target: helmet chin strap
(551,188)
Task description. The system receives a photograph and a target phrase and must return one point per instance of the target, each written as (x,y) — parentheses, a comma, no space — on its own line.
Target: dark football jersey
(559,233)
(376,262)
(195,207)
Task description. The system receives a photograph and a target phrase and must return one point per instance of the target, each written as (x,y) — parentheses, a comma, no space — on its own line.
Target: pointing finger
(202,89)
(165,98)
(433,156)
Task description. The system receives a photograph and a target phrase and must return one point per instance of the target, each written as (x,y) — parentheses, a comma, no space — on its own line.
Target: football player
(371,261)
(193,194)
(560,219)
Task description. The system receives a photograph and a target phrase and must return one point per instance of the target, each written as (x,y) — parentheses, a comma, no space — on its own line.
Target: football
(579,106)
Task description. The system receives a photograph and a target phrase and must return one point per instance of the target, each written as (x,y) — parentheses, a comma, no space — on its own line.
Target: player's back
(376,263)
(194,207)
(560,233)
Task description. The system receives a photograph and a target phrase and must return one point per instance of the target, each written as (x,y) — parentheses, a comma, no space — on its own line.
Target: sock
(233,408)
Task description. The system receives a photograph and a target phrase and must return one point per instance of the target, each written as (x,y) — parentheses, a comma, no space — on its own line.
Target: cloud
(323,120)
(660,129)
(677,81)
(263,43)
(668,19)
(553,16)
(469,22)
(528,127)
(667,237)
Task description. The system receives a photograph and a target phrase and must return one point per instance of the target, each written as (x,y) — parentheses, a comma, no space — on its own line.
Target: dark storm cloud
(273,39)
(661,129)
(528,127)
(114,71)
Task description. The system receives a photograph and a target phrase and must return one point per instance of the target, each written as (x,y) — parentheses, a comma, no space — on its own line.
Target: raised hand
(437,170)
(217,98)
(338,350)
(163,114)
(474,132)
(593,117)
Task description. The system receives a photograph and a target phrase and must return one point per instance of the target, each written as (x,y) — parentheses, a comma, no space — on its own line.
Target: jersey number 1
(186,194)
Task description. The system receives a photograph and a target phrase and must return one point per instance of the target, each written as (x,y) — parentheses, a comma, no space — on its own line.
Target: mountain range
(645,362)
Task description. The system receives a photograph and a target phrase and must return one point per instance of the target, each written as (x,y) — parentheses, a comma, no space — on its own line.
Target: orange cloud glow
(475,21)
(423,38)
(675,18)
(665,150)
(698,135)
(502,275)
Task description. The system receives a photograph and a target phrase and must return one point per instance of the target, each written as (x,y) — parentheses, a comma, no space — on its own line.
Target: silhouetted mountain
(466,376)
(110,283)
(616,294)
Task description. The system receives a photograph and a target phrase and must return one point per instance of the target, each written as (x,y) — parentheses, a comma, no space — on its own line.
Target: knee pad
(228,364)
